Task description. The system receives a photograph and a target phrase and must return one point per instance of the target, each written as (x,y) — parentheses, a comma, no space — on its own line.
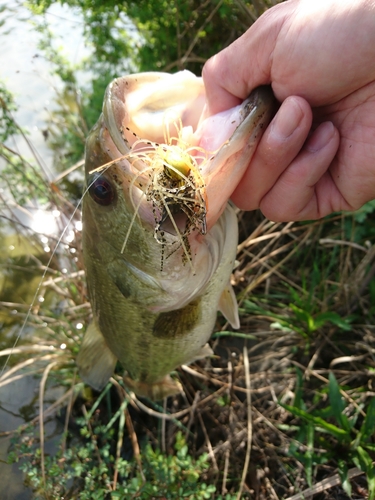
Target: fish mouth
(179,217)
(155,121)
(146,105)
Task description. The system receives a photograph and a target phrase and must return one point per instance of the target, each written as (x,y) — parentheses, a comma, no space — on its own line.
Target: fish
(159,236)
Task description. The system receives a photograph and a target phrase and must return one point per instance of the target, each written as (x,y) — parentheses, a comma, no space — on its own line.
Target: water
(27,75)
(12,487)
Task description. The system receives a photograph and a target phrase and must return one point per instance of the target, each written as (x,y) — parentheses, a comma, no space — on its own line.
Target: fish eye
(101,190)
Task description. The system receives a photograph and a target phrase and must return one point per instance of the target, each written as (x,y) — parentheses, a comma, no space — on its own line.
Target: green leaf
(298,401)
(337,403)
(368,426)
(334,318)
(367,209)
(301,315)
(364,462)
(343,473)
(335,431)
(279,325)
(309,453)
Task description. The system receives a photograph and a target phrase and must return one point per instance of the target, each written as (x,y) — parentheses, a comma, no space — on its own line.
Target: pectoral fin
(130,280)
(228,306)
(95,361)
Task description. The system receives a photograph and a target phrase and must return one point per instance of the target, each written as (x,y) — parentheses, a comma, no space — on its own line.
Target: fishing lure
(169,177)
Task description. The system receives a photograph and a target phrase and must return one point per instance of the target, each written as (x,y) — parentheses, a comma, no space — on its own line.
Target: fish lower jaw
(156,391)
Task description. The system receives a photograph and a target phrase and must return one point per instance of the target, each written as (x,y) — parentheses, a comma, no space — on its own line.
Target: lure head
(177,162)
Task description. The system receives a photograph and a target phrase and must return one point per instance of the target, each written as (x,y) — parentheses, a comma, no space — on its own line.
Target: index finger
(218,98)
(233,73)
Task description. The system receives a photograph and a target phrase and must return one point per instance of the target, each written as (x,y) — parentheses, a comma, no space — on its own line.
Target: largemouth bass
(159,237)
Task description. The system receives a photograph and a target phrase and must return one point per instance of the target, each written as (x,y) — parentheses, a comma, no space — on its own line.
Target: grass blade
(332,429)
(368,426)
(337,403)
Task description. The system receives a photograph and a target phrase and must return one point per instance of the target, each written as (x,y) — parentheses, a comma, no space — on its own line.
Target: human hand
(318,154)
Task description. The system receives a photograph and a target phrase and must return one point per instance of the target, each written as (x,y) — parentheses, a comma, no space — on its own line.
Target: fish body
(159,238)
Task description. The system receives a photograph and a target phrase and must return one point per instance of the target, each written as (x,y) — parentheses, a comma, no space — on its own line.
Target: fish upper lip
(111,120)
(166,92)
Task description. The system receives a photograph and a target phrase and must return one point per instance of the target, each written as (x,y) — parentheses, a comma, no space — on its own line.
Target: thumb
(233,73)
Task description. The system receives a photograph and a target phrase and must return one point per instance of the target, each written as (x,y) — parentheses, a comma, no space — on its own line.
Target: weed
(88,466)
(334,430)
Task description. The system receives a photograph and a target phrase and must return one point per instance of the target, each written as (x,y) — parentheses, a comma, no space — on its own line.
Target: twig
(134,441)
(225,472)
(230,378)
(66,277)
(5,379)
(227,451)
(324,485)
(66,172)
(211,453)
(259,234)
(269,486)
(163,426)
(251,18)
(192,412)
(346,359)
(333,242)
(68,412)
(249,423)
(92,436)
(120,439)
(256,281)
(227,444)
(179,414)
(26,348)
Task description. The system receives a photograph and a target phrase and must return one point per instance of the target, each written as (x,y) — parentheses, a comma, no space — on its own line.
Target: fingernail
(321,136)
(287,119)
